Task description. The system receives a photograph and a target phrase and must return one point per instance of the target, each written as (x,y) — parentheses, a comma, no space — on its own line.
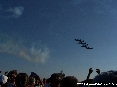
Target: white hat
(3,79)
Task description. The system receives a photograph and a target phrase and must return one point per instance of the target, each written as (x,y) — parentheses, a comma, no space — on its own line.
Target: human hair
(31,81)
(13,72)
(55,80)
(69,81)
(48,80)
(54,76)
(106,79)
(21,80)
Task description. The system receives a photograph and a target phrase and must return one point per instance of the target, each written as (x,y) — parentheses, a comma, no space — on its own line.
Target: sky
(38,36)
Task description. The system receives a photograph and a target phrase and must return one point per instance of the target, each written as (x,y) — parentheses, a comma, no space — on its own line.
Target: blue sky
(38,36)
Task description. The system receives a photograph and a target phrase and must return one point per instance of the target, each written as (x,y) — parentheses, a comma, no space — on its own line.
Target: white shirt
(3,79)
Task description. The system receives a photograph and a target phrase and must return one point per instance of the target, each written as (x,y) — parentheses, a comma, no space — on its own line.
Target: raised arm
(90,71)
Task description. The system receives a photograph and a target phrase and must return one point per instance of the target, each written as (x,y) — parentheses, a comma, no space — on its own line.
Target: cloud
(11,12)
(17,49)
(97,7)
(16,11)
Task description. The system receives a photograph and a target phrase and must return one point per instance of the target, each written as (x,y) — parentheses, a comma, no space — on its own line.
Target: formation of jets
(83,43)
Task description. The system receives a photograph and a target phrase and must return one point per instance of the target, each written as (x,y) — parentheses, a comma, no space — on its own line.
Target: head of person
(11,76)
(105,79)
(21,80)
(69,81)
(13,73)
(37,80)
(48,81)
(44,80)
(31,81)
(55,80)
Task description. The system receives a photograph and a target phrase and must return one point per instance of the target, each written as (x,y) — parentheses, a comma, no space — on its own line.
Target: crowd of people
(14,79)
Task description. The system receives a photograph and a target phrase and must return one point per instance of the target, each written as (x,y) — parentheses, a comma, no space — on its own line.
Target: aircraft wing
(77,39)
(89,48)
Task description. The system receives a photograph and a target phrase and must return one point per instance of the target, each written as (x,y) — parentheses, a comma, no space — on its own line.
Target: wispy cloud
(99,7)
(16,11)
(17,49)
(11,12)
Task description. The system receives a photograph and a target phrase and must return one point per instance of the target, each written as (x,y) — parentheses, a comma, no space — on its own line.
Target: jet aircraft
(84,45)
(81,42)
(77,39)
(89,48)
